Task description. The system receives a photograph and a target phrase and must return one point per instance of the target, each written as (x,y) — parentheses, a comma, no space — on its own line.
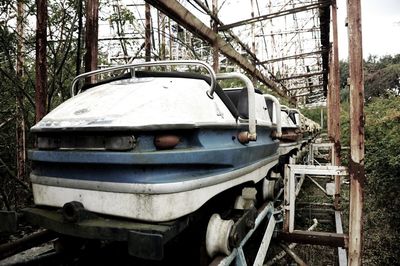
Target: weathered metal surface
(152,236)
(147,33)
(293,185)
(282,254)
(294,256)
(339,229)
(319,170)
(146,245)
(306,87)
(242,226)
(277,14)
(155,199)
(302,76)
(217,235)
(315,238)
(290,135)
(357,120)
(91,39)
(263,212)
(289,57)
(154,101)
(333,100)
(181,15)
(214,25)
(41,61)
(262,251)
(286,197)
(9,249)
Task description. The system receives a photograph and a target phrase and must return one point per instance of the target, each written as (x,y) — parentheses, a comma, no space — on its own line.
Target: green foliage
(381,77)
(61,58)
(315,115)
(382,163)
(383,82)
(123,16)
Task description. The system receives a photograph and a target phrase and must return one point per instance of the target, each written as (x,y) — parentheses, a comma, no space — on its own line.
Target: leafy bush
(382,163)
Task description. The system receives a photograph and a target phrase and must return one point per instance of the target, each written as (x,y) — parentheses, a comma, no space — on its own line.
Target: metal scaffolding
(278,41)
(285,45)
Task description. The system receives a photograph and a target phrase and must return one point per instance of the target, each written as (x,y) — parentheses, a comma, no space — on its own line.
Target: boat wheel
(217,236)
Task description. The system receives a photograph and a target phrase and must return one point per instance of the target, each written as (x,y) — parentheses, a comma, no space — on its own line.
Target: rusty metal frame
(276,14)
(339,230)
(184,17)
(317,146)
(292,186)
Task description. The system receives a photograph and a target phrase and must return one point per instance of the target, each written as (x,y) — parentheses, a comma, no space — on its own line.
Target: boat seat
(270,106)
(239,98)
(190,75)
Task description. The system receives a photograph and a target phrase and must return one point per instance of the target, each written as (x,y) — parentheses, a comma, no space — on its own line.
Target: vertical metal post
(357,119)
(162,28)
(214,27)
(253,36)
(286,184)
(334,101)
(322,117)
(292,198)
(41,61)
(79,41)
(147,33)
(92,32)
(171,40)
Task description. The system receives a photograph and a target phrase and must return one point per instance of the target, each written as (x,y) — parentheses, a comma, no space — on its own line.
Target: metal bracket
(242,226)
(146,245)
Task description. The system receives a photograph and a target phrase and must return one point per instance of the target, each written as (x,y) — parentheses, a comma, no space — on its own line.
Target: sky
(380,27)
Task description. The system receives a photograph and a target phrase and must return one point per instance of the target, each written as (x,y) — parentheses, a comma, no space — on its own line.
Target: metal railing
(133,67)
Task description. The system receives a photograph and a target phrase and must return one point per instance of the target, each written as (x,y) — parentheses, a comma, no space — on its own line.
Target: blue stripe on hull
(215,156)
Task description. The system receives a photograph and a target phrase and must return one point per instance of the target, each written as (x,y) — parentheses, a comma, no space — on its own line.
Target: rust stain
(357,172)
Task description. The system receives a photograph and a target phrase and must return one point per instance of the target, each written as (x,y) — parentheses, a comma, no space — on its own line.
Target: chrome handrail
(250,97)
(278,113)
(132,68)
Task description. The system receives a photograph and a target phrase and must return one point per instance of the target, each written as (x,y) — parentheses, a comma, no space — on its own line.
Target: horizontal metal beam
(303,76)
(181,15)
(289,57)
(218,21)
(315,238)
(306,87)
(308,94)
(236,38)
(288,32)
(275,15)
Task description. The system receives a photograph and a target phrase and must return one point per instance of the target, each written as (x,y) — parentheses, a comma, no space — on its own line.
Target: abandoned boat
(152,146)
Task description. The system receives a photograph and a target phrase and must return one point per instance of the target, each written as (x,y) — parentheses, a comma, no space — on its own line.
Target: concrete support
(357,120)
